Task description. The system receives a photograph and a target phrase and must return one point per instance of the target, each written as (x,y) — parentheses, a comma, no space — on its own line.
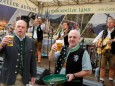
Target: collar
(21,39)
(73,49)
(110,30)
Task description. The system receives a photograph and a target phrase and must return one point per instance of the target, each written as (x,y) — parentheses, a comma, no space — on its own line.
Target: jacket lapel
(27,43)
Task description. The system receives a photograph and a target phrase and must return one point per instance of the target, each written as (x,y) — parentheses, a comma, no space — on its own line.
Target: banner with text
(21,4)
(82,9)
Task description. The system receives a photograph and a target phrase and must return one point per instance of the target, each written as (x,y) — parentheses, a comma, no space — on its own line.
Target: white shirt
(100,35)
(35,33)
(21,39)
(35,28)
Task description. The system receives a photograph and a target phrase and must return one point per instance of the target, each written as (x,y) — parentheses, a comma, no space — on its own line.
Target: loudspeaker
(41,72)
(26,19)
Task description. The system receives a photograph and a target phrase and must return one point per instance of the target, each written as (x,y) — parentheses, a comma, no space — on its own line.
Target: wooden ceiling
(47,3)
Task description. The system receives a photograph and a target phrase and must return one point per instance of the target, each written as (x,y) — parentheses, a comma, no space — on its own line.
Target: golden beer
(11,38)
(59,44)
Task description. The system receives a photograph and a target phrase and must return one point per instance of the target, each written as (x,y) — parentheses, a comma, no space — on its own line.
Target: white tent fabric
(98,21)
(20,4)
(100,18)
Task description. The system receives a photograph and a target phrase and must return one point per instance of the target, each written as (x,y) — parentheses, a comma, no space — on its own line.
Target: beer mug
(59,44)
(11,38)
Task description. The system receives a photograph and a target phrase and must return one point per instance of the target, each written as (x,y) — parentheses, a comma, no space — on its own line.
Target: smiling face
(73,38)
(21,28)
(111,23)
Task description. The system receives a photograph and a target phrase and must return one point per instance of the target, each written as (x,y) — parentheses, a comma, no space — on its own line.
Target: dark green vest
(22,54)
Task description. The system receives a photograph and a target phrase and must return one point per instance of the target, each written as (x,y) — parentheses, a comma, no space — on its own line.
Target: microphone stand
(50,35)
(48,50)
(100,63)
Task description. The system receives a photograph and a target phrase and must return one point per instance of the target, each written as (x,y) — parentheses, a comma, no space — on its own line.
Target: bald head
(73,38)
(21,21)
(74,32)
(21,28)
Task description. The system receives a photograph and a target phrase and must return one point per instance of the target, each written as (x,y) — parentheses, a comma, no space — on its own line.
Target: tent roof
(47,3)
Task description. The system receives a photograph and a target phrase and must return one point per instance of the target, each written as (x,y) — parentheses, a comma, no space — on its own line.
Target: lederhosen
(38,42)
(109,55)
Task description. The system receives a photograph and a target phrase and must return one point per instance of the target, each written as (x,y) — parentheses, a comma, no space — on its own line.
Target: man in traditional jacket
(19,59)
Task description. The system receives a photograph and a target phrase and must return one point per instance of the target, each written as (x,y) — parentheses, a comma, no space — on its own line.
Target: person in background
(76,26)
(37,34)
(109,55)
(46,24)
(10,31)
(19,64)
(43,24)
(74,58)
(13,24)
(63,35)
